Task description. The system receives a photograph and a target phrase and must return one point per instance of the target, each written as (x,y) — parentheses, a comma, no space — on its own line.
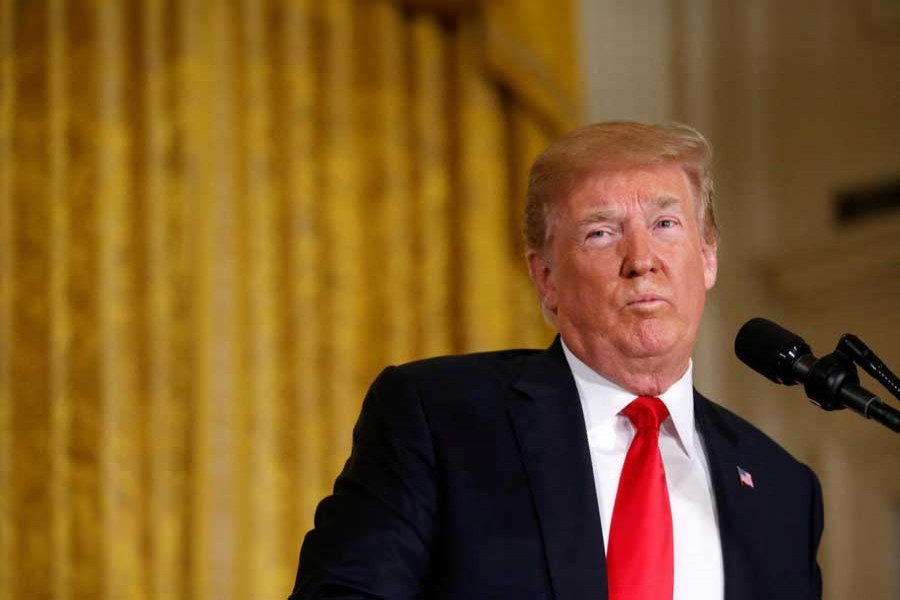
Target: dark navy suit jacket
(470,478)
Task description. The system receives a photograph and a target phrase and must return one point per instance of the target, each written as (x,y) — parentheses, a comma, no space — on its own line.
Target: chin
(652,339)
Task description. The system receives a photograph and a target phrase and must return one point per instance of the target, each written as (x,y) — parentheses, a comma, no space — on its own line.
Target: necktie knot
(646,412)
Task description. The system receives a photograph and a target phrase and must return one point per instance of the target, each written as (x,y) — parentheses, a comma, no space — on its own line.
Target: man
(591,469)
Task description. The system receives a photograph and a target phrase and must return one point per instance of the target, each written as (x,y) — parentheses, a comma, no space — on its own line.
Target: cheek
(588,275)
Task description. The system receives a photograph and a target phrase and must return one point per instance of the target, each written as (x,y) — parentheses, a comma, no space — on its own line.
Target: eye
(601,235)
(666,223)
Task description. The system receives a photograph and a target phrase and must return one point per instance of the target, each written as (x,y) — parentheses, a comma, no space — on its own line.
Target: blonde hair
(592,148)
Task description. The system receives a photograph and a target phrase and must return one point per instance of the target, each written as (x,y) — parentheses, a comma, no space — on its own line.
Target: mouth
(647,301)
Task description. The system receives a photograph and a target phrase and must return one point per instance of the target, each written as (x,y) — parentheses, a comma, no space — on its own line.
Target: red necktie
(640,555)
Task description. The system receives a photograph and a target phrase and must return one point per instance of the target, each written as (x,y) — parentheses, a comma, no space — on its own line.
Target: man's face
(625,271)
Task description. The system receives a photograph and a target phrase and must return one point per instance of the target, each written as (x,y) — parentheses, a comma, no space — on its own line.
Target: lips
(645,300)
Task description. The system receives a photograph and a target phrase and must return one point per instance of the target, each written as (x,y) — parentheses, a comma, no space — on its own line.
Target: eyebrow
(598,216)
(606,214)
(664,201)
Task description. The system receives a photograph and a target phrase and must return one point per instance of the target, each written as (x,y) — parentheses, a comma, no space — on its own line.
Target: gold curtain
(218,221)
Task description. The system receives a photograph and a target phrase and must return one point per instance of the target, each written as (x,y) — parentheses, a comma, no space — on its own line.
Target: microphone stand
(855,349)
(832,382)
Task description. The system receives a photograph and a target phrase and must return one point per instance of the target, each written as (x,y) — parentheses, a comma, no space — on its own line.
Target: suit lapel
(549,427)
(737,504)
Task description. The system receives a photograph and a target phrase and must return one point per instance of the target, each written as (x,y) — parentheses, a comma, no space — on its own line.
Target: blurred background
(219,220)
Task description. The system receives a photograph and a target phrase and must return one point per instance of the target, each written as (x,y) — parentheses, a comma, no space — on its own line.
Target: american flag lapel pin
(745,477)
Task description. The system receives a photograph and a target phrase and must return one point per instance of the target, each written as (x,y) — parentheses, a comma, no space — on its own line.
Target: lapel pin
(745,477)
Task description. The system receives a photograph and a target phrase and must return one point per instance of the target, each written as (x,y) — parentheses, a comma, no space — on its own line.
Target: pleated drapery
(218,222)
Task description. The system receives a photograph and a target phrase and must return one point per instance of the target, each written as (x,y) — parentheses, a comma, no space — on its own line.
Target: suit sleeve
(374,535)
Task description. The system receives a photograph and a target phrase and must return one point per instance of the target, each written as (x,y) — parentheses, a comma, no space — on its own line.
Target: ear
(542,276)
(710,253)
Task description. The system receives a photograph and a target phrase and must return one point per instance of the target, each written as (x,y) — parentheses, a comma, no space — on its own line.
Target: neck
(642,376)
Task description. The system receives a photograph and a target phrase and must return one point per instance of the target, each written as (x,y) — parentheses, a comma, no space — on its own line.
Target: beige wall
(800,99)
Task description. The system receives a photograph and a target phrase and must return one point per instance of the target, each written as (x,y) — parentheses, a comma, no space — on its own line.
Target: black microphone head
(770,349)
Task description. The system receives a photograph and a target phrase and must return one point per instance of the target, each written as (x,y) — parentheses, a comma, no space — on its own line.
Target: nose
(639,257)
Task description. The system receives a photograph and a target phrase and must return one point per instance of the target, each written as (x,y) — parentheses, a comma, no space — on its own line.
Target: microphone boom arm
(855,349)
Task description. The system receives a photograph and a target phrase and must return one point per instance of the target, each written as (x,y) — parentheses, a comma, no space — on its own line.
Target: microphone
(773,351)
(830,382)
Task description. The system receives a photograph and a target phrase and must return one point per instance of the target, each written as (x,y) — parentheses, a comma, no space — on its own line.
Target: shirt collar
(604,399)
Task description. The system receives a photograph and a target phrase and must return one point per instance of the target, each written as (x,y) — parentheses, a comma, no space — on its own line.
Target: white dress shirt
(695,529)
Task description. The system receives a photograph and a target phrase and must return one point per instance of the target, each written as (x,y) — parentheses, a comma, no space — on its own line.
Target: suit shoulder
(501,364)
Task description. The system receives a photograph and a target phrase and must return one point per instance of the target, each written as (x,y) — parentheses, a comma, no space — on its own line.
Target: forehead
(616,188)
